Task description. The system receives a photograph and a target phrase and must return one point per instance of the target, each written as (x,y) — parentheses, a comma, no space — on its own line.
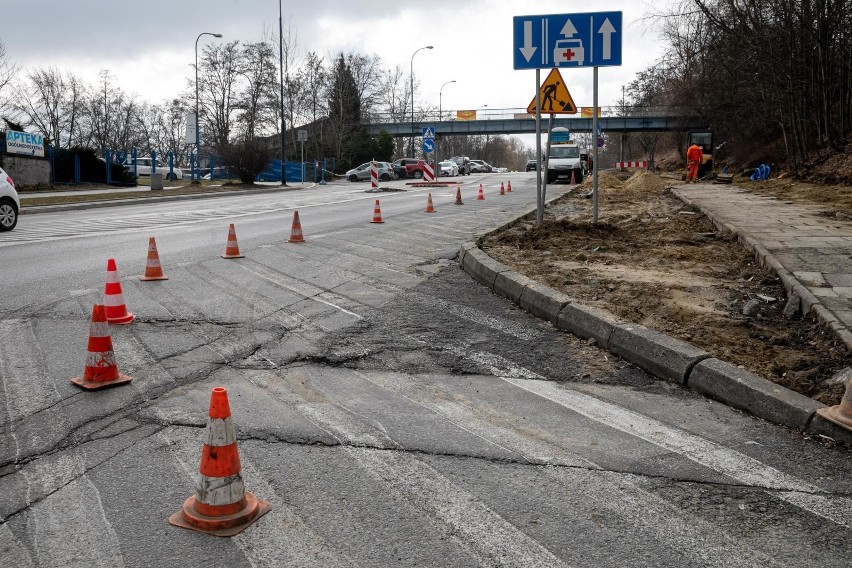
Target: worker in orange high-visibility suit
(694,157)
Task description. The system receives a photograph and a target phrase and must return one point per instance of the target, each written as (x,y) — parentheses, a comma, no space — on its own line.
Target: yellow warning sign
(555,98)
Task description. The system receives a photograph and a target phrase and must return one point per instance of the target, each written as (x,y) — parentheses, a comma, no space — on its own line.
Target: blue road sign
(567,40)
(428,132)
(428,145)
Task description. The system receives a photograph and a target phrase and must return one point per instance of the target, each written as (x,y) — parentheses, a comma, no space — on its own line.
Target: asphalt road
(392,411)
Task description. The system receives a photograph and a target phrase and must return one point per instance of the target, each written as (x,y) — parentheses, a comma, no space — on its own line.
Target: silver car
(10,203)
(362,172)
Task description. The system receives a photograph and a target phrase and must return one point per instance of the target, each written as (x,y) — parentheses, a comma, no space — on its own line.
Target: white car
(449,168)
(10,204)
(145,165)
(362,173)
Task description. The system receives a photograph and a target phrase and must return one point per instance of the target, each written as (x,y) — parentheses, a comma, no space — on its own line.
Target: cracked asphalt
(392,411)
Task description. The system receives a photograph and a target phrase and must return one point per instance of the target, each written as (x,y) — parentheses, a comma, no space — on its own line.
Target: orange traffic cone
(232,249)
(840,414)
(458,197)
(502,189)
(101,370)
(153,270)
(480,196)
(573,178)
(116,311)
(221,505)
(377,214)
(429,208)
(509,187)
(296,232)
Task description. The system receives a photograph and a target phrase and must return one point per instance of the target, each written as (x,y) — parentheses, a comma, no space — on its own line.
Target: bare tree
(8,70)
(256,101)
(51,102)
(218,86)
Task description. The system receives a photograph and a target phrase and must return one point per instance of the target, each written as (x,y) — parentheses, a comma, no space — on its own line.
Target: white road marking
(490,537)
(726,461)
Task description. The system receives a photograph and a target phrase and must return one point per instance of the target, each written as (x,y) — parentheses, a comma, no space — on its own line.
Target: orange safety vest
(694,154)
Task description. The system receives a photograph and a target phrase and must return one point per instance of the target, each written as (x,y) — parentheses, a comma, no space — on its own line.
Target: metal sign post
(302,136)
(539,216)
(595,142)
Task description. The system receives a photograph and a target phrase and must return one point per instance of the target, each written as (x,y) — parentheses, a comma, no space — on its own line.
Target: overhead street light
(197,179)
(440,93)
(411,74)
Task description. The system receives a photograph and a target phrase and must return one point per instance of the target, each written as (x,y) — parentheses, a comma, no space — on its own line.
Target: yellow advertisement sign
(589,112)
(466,115)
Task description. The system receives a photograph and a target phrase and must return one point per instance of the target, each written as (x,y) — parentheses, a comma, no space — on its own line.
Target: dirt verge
(657,262)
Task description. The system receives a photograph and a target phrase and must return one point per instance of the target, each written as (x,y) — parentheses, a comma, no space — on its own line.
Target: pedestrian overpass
(504,122)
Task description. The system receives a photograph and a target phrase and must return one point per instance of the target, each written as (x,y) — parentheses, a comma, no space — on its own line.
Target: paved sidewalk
(809,249)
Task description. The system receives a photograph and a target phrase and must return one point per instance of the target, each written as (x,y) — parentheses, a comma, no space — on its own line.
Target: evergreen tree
(344,113)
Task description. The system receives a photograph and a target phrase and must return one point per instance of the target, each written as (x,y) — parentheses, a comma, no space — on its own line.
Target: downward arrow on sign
(528,50)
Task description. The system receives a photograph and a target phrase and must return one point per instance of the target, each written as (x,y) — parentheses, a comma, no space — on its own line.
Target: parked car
(480,167)
(217,173)
(10,203)
(413,166)
(449,168)
(532,165)
(362,172)
(463,162)
(145,165)
(399,172)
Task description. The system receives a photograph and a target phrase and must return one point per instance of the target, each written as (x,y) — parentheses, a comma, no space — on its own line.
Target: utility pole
(281,73)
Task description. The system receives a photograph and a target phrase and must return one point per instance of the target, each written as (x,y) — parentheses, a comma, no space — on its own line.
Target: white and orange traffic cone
(502,189)
(101,369)
(480,196)
(840,414)
(429,207)
(116,311)
(296,232)
(232,249)
(221,505)
(458,197)
(377,214)
(509,187)
(573,178)
(153,270)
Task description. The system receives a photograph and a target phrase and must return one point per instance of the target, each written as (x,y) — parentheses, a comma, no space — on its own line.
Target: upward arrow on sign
(606,31)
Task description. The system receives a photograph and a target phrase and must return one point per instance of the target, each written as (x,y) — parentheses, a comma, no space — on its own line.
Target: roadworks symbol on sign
(555,98)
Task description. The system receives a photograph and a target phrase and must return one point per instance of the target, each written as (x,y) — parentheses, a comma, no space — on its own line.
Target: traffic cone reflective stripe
(459,197)
(509,187)
(429,207)
(502,189)
(480,196)
(221,506)
(840,414)
(153,270)
(377,214)
(101,369)
(116,311)
(296,232)
(232,249)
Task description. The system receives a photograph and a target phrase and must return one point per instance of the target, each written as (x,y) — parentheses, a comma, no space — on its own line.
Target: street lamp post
(197,117)
(440,93)
(411,142)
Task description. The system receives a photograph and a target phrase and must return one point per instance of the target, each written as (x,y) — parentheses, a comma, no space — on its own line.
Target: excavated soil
(657,262)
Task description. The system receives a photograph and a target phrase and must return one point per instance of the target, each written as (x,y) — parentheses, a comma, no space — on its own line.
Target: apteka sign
(24,143)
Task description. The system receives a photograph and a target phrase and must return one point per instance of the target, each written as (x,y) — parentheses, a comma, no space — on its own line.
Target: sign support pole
(595,141)
(539,217)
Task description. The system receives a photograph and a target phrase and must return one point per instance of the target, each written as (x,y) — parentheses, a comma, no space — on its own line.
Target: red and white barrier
(428,173)
(622,165)
(374,175)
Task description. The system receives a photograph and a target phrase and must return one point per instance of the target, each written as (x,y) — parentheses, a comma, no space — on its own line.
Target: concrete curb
(35,209)
(659,354)
(809,302)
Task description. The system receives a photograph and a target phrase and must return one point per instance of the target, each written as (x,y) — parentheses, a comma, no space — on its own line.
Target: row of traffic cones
(221,506)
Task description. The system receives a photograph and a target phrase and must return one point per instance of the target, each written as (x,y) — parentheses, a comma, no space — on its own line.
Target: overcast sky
(149,46)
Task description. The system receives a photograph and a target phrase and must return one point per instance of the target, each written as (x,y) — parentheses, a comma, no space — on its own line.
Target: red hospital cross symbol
(568,54)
